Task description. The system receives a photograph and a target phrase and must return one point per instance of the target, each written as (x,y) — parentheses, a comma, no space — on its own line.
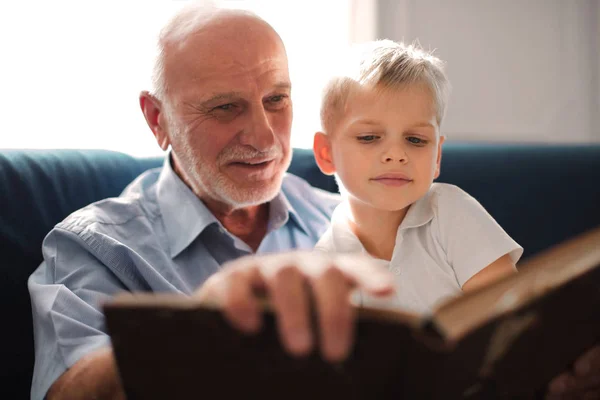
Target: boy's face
(386,148)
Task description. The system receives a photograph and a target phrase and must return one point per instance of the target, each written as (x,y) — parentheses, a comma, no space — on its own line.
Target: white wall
(520,70)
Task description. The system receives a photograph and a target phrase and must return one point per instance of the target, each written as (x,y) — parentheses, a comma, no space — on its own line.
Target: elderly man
(222,103)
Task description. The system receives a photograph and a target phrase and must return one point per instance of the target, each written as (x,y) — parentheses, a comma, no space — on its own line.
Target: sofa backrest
(541,195)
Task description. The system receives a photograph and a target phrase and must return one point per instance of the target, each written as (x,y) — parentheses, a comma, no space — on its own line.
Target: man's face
(230,113)
(386,149)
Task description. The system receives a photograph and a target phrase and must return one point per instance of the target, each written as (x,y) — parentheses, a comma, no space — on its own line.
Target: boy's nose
(394,155)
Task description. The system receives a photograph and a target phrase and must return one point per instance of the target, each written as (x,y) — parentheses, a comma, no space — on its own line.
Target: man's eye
(225,107)
(367,138)
(276,102)
(416,140)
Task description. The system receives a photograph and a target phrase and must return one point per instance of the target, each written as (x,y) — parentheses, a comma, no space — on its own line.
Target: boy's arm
(498,269)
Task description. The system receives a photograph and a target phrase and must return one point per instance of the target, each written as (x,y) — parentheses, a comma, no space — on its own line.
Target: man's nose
(259,132)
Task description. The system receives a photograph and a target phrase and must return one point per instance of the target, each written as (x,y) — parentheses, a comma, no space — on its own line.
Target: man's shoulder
(307,198)
(137,204)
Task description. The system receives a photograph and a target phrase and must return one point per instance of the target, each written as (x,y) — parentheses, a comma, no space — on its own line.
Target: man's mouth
(252,163)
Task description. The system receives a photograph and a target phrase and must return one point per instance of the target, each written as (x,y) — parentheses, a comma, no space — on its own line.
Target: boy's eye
(367,138)
(416,140)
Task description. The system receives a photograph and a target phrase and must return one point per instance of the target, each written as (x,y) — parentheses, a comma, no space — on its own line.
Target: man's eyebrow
(220,97)
(283,85)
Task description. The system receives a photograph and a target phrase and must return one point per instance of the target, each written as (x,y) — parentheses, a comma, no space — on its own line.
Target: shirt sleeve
(471,238)
(67,291)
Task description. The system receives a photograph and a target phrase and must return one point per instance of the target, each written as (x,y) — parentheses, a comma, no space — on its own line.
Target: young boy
(381,138)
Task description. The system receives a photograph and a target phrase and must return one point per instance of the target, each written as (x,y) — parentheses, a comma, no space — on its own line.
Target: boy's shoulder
(445,197)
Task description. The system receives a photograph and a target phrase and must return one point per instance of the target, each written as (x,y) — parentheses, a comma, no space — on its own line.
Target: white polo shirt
(445,239)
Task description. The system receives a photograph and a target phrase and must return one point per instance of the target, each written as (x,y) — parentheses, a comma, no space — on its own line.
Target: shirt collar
(419,213)
(279,212)
(185,216)
(345,241)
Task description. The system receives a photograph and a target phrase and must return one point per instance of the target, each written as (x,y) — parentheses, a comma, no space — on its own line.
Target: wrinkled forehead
(227,48)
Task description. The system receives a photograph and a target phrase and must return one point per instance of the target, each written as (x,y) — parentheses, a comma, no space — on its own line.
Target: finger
(590,382)
(289,298)
(560,385)
(589,363)
(592,395)
(331,291)
(236,292)
(365,273)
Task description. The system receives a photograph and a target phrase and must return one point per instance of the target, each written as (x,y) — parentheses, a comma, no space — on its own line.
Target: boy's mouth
(392,179)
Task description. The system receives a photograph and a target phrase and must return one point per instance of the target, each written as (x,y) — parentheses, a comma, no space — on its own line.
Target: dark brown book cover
(504,341)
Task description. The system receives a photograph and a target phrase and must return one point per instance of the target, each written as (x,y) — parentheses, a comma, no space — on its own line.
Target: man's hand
(288,280)
(581,383)
(95,376)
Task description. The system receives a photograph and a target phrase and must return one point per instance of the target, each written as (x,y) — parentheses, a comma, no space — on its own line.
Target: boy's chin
(388,205)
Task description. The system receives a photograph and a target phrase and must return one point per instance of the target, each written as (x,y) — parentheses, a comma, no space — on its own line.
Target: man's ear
(152,109)
(438,162)
(322,151)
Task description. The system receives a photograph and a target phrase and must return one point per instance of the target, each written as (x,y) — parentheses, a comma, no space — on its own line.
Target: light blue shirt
(157,236)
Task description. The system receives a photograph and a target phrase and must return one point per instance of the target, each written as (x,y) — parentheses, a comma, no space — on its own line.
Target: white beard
(206,179)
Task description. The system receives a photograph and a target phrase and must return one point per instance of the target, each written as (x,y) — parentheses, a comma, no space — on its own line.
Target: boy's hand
(291,282)
(583,382)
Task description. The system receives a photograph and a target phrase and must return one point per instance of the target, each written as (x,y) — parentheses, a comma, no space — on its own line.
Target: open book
(506,340)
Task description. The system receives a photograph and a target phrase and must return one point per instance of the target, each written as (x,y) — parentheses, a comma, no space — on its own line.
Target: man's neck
(376,229)
(248,223)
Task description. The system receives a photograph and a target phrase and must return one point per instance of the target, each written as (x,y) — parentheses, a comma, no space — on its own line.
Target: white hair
(185,22)
(384,64)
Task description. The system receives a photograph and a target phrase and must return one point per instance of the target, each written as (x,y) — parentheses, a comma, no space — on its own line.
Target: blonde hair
(388,65)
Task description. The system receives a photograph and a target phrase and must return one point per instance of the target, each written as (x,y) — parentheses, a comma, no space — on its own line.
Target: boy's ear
(438,162)
(322,151)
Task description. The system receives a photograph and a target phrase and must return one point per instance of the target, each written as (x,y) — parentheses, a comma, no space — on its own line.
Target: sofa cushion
(37,190)
(540,194)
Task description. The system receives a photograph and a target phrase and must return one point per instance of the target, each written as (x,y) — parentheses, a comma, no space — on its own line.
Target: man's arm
(93,377)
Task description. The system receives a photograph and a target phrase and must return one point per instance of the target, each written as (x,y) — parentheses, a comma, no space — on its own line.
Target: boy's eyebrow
(374,122)
(424,125)
(365,122)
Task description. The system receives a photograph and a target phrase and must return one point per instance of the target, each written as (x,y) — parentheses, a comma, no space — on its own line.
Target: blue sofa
(540,194)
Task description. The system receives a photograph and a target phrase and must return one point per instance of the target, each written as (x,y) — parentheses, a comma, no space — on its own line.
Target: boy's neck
(376,229)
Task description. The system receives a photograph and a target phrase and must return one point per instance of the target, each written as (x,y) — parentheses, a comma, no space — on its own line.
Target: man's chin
(252,193)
